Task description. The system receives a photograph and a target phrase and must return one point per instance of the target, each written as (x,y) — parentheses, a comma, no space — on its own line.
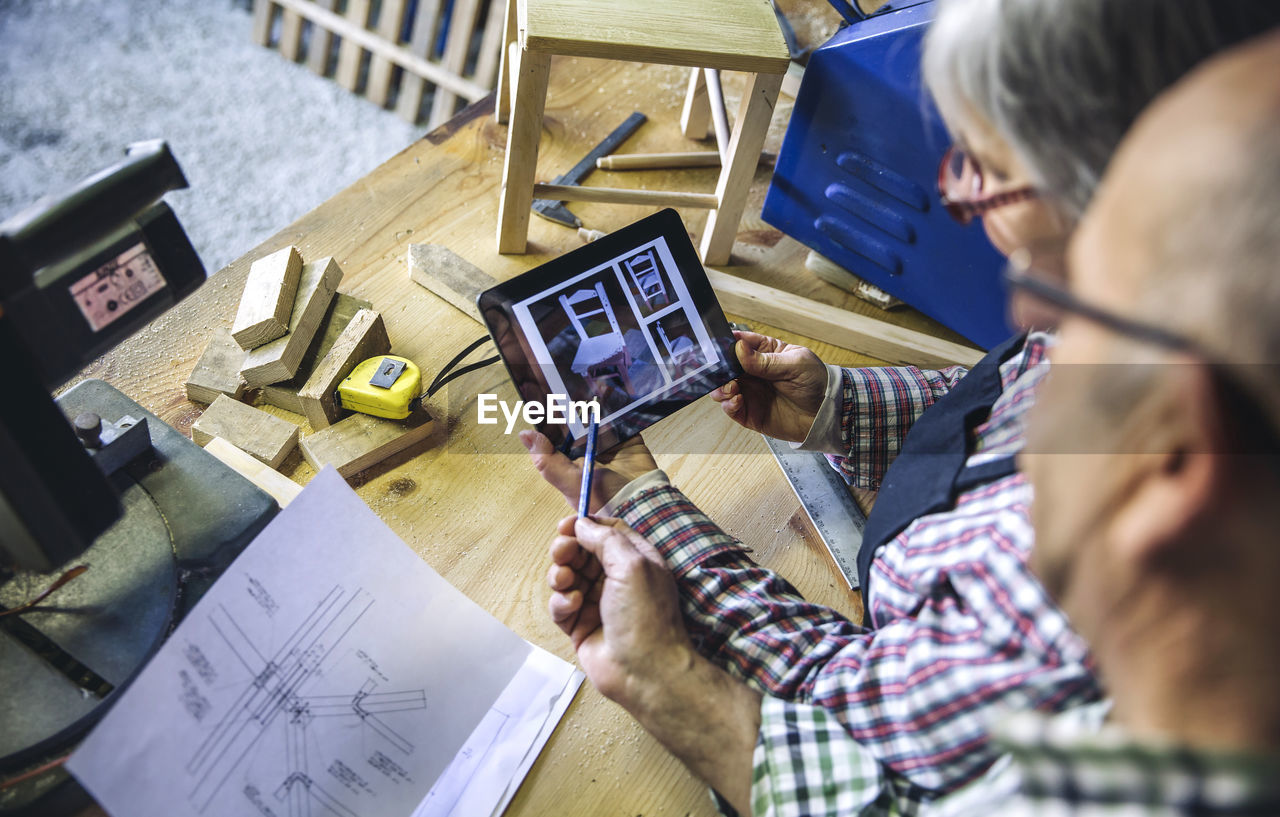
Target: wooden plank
(350,54)
(449,275)
(263,11)
(267,300)
(792,79)
(750,127)
(508,56)
(280,359)
(412,85)
(696,115)
(650,161)
(390,21)
(290,35)
(282,489)
(662,161)
(528,100)
(266,437)
(848,330)
(731,35)
(339,25)
(616,195)
(217,371)
(462,23)
(285,393)
(321,41)
(364,337)
(491,44)
(361,441)
(719,114)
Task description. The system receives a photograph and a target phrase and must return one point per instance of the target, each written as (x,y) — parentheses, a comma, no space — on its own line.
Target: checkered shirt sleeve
(806,765)
(745,618)
(878,406)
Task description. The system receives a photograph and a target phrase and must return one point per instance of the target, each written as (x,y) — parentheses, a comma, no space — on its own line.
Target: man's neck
(1197,663)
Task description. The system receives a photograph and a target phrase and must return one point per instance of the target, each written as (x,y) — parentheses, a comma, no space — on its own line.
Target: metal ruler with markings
(825,497)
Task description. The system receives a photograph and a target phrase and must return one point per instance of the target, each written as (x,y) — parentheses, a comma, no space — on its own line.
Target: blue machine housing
(856,179)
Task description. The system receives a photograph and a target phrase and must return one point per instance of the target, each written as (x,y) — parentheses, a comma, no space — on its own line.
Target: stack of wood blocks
(293,340)
(401,49)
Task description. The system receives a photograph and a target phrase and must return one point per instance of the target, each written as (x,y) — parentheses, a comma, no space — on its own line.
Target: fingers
(731,400)
(555,468)
(756,340)
(565,526)
(566,551)
(561,578)
(564,609)
(758,362)
(728,390)
(735,406)
(608,540)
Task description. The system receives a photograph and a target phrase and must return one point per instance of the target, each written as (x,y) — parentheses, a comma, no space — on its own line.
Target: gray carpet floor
(262,141)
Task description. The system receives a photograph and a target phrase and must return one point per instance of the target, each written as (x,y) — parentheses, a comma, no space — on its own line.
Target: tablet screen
(628,323)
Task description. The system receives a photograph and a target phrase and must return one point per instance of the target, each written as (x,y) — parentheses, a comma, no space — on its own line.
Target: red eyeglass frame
(965,211)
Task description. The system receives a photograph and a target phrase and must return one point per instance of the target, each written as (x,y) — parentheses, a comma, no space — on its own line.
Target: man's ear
(1172,488)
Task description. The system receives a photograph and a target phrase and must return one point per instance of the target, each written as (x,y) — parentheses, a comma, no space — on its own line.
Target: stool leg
(521,163)
(749,130)
(697,110)
(502,99)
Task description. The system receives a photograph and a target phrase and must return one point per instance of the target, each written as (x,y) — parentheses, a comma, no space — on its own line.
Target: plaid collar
(1065,766)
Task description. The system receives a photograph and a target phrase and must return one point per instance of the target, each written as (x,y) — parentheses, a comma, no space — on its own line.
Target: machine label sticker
(117,286)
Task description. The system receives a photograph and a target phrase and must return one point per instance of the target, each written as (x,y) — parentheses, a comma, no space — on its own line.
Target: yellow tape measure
(384,386)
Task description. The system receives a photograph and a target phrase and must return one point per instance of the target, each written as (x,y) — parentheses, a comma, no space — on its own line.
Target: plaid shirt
(886,718)
(1065,765)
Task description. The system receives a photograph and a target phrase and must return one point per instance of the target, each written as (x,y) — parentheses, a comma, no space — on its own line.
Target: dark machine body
(92,479)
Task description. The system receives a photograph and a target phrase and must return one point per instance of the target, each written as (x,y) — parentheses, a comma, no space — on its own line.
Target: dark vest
(930,472)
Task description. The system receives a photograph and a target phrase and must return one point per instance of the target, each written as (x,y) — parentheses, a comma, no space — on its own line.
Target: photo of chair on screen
(621,332)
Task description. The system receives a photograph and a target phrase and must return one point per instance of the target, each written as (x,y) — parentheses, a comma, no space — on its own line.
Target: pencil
(588,468)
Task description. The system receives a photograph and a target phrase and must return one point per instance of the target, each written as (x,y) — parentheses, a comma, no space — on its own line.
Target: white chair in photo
(603,355)
(680,352)
(644,273)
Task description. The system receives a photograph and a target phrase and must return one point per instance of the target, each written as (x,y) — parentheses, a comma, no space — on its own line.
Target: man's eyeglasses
(1040,275)
(960,186)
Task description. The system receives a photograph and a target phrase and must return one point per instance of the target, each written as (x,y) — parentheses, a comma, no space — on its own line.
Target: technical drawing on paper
(280,701)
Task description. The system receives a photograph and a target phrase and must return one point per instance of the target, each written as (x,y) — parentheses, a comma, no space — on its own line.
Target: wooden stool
(716,35)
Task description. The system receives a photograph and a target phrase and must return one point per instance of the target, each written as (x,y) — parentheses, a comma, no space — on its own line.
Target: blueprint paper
(330,671)
(485,774)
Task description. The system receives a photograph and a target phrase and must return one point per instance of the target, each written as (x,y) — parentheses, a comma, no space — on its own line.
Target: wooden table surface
(468,501)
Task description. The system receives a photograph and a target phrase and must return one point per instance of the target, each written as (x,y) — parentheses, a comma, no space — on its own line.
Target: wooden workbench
(468,501)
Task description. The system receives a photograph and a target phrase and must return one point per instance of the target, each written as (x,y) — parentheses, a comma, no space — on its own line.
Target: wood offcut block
(217,371)
(281,358)
(264,436)
(282,489)
(361,441)
(267,301)
(364,337)
(839,327)
(285,393)
(449,275)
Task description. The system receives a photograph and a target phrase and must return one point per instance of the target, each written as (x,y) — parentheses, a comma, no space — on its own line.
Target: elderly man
(1159,545)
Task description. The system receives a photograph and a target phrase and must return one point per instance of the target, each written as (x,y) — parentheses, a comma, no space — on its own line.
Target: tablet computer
(628,322)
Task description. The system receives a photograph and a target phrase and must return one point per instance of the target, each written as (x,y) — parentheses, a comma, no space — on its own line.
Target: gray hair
(1062,80)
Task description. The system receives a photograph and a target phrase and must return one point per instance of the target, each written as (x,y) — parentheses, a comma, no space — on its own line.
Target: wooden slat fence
(395,52)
